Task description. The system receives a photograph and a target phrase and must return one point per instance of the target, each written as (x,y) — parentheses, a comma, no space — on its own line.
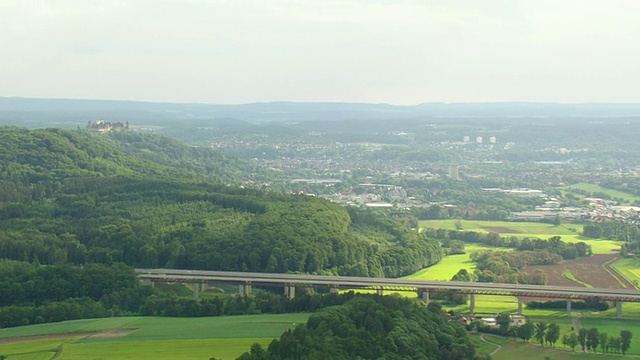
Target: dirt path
(576,323)
(492,343)
(94,335)
(18,339)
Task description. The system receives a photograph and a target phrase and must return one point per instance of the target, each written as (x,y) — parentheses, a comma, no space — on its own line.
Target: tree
(582,338)
(592,339)
(553,333)
(625,340)
(540,329)
(602,339)
(614,344)
(513,332)
(570,340)
(525,332)
(504,321)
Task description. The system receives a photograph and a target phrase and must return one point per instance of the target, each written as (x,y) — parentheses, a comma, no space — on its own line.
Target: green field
(630,269)
(225,337)
(228,337)
(568,232)
(450,265)
(613,327)
(523,351)
(592,188)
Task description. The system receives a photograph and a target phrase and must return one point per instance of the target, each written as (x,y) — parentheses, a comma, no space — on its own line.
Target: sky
(371,51)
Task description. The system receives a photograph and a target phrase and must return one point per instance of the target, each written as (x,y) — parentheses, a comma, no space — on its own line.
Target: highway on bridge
(344,282)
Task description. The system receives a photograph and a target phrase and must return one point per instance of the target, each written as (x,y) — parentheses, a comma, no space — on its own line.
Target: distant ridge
(19,108)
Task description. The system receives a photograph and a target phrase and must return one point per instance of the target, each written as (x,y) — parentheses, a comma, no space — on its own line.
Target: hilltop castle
(102,126)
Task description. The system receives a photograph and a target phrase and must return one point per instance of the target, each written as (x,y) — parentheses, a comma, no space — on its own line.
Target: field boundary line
(58,352)
(611,271)
(569,276)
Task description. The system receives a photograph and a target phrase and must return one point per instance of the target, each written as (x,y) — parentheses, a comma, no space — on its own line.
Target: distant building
(479,140)
(102,126)
(379,204)
(492,139)
(466,139)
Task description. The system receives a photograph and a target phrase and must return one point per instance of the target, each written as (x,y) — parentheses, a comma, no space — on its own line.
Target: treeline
(263,302)
(591,303)
(372,327)
(549,333)
(554,244)
(31,294)
(614,230)
(505,266)
(68,309)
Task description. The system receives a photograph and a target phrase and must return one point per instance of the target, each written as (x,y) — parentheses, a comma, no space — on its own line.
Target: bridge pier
(519,305)
(619,309)
(424,293)
(380,291)
(472,302)
(334,289)
(569,307)
(195,287)
(147,282)
(290,291)
(244,289)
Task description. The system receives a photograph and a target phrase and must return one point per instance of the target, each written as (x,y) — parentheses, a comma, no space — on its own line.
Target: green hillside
(148,201)
(38,160)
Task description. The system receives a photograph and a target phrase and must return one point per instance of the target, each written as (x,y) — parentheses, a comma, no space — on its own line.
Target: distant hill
(32,156)
(68,113)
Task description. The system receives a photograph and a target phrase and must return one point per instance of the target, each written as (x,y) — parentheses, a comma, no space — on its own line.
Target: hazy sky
(391,51)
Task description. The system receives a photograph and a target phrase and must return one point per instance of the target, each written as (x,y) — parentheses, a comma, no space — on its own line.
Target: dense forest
(370,327)
(146,201)
(78,211)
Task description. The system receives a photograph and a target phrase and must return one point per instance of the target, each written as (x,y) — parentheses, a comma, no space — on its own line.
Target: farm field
(568,232)
(592,188)
(449,265)
(523,351)
(614,326)
(225,337)
(629,268)
(593,271)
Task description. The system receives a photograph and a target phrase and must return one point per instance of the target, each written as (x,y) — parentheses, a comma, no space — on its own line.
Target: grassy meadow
(568,232)
(450,265)
(593,188)
(225,337)
(629,268)
(614,326)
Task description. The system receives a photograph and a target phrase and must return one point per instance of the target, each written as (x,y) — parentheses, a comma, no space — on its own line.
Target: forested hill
(49,156)
(68,196)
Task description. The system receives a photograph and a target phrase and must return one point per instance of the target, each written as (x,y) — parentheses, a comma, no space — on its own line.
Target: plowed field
(594,270)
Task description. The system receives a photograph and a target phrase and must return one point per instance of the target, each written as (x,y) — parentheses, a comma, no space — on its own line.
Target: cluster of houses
(489,321)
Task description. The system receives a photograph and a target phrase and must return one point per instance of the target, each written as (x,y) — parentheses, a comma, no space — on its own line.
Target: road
(344,282)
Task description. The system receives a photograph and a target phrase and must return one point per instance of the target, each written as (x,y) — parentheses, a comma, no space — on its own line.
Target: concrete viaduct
(290,282)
